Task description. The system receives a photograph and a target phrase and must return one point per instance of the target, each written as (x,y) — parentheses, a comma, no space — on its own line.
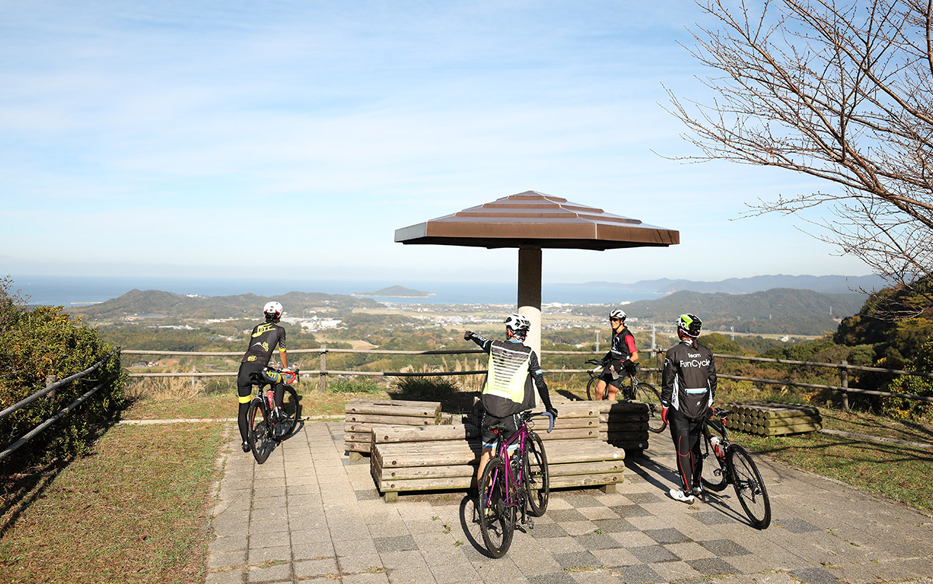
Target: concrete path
(308,514)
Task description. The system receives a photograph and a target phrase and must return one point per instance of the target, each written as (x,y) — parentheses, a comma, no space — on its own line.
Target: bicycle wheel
(537,478)
(496,518)
(591,388)
(291,410)
(259,436)
(749,487)
(649,395)
(713,476)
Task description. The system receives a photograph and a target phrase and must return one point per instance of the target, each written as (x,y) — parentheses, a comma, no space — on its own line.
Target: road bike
(631,389)
(269,424)
(512,483)
(725,462)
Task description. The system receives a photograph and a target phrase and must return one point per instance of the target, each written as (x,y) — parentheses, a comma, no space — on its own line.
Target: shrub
(353,386)
(903,408)
(43,342)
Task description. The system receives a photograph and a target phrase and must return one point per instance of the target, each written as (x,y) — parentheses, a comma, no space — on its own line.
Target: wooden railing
(51,387)
(653,354)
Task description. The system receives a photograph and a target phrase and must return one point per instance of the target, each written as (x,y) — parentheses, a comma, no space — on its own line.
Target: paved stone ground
(308,514)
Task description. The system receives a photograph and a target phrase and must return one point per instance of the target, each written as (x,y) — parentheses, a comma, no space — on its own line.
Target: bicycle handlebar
(550,418)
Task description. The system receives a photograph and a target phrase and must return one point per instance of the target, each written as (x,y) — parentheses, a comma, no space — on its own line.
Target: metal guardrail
(49,389)
(323,372)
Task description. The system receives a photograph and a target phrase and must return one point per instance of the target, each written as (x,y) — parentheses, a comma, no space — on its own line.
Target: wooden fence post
(49,380)
(323,384)
(659,362)
(844,382)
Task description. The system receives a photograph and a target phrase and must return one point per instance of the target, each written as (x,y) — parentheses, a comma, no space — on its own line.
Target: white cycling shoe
(679,495)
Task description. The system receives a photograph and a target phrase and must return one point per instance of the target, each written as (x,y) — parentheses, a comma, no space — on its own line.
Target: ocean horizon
(69,291)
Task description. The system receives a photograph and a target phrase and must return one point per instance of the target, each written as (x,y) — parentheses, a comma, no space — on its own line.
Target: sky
(220,139)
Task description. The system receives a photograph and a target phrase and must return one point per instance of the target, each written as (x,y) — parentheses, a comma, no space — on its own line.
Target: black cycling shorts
(607,377)
(489,435)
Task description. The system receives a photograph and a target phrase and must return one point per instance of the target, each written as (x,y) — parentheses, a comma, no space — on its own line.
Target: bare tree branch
(838,90)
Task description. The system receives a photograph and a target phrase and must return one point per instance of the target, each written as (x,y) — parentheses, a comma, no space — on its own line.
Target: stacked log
(774,419)
(423,458)
(624,424)
(363,414)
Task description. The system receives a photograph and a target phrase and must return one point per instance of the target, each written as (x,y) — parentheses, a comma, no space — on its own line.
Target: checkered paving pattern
(308,514)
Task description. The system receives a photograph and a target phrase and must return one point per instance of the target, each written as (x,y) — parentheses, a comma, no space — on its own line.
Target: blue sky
(217,138)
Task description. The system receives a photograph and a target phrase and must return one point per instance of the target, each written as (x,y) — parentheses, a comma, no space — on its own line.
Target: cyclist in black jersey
(620,359)
(514,370)
(688,386)
(262,342)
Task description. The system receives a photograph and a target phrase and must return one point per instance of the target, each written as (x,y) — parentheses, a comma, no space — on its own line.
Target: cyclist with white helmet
(513,369)
(688,385)
(620,359)
(262,342)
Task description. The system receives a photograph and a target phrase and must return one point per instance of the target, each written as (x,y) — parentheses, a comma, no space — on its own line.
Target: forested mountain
(780,310)
(148,302)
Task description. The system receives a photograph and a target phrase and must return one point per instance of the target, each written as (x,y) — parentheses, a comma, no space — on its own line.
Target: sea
(83,290)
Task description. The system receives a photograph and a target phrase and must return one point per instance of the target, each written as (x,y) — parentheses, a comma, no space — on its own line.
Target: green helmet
(689,324)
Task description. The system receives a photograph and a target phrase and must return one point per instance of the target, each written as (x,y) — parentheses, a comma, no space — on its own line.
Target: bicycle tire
(259,436)
(709,477)
(591,388)
(537,476)
(649,395)
(291,409)
(624,390)
(496,517)
(749,487)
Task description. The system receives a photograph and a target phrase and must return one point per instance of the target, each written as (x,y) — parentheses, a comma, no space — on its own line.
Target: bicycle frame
(515,481)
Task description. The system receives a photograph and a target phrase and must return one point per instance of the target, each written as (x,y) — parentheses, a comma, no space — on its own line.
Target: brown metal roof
(533,218)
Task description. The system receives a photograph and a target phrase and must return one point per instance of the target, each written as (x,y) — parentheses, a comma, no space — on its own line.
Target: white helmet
(272,310)
(620,314)
(518,324)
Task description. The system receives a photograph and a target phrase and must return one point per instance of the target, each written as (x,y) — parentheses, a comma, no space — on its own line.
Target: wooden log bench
(363,414)
(624,424)
(430,458)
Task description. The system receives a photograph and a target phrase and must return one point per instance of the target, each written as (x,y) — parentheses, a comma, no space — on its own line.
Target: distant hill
(396,292)
(824,284)
(780,310)
(156,302)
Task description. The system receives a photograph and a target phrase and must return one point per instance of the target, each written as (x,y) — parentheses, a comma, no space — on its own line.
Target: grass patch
(892,470)
(135,509)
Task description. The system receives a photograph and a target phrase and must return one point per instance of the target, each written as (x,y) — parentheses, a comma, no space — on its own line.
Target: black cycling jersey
(688,383)
(262,342)
(621,348)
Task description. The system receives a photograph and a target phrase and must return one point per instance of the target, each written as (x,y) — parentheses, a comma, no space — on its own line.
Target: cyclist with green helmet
(688,386)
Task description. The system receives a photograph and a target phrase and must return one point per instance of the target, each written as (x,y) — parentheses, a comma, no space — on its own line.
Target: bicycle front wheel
(537,478)
(751,490)
(713,475)
(496,517)
(291,411)
(649,395)
(259,436)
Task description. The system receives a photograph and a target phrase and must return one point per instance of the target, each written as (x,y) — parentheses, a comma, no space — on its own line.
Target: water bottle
(717,447)
(270,397)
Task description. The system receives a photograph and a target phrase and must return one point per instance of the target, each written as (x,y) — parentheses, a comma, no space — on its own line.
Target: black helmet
(689,324)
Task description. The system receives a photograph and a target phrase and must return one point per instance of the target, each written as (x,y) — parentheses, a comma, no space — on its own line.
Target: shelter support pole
(529,292)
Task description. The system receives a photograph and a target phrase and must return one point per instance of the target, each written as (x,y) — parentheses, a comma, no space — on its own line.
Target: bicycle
(632,389)
(521,485)
(269,424)
(725,462)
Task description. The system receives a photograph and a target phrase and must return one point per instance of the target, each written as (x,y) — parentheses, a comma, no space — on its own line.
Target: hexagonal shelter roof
(537,219)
